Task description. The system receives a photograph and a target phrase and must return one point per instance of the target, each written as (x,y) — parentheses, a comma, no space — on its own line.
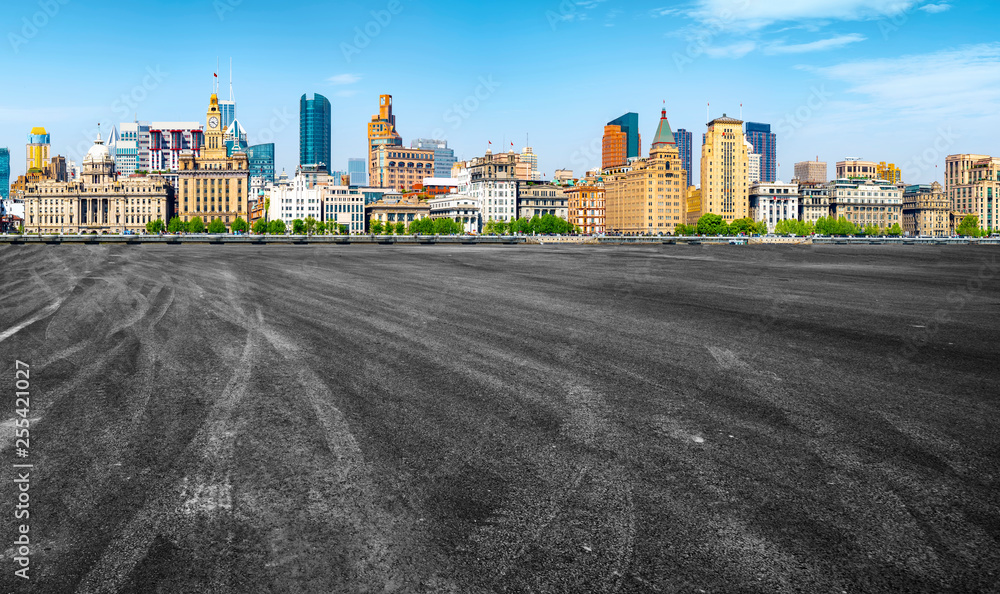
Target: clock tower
(215,146)
(213,185)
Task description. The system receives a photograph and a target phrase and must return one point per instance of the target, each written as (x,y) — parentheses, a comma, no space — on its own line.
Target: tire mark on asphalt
(206,490)
(48,311)
(356,504)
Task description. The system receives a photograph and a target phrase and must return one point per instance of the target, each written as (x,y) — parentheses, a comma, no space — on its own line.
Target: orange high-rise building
(613,147)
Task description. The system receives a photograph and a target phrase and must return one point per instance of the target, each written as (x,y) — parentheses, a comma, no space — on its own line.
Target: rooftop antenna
(231,79)
(708,111)
(741,111)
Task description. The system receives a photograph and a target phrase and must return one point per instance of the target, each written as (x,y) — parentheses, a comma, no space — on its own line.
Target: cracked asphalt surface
(234,419)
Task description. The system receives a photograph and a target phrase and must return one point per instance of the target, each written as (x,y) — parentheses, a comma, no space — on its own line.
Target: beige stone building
(539,199)
(866,202)
(725,170)
(97,202)
(857,169)
(972,184)
(927,211)
(694,210)
(811,171)
(400,167)
(395,209)
(814,201)
(648,196)
(213,185)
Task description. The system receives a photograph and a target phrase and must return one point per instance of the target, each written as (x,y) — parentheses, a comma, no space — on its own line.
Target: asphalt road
(505,419)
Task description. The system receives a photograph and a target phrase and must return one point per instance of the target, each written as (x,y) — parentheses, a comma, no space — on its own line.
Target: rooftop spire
(664,136)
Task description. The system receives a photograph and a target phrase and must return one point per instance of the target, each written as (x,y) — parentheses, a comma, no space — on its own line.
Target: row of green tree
(547,224)
(421,226)
(713,224)
(197,225)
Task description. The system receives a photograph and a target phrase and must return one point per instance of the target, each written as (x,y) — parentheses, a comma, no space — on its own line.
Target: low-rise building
(294,199)
(866,202)
(562,175)
(464,209)
(536,199)
(814,201)
(392,209)
(927,211)
(586,208)
(492,180)
(344,205)
(856,169)
(98,202)
(773,202)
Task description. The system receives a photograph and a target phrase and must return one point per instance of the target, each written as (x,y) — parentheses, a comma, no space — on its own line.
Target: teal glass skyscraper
(4,173)
(630,126)
(314,131)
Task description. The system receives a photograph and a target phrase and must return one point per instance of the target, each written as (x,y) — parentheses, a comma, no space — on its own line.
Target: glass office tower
(314,131)
(683,138)
(357,168)
(261,161)
(4,173)
(763,141)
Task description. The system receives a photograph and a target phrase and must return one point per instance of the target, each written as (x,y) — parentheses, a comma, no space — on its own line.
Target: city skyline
(831,82)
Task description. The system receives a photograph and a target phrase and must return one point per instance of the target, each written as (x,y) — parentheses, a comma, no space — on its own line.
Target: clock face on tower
(213,122)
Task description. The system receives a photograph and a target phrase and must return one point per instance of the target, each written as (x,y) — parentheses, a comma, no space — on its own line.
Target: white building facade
(462,208)
(344,205)
(772,202)
(753,164)
(295,200)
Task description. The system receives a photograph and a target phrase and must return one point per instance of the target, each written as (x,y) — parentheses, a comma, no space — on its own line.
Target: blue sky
(896,80)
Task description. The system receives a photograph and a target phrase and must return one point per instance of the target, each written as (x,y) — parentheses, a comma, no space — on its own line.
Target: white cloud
(954,83)
(344,79)
(736,50)
(935,8)
(756,14)
(814,46)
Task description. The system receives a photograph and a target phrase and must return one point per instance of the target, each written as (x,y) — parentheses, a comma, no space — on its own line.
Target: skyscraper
(621,140)
(683,138)
(444,157)
(358,170)
(314,131)
(261,161)
(4,173)
(529,157)
(763,141)
(724,170)
(37,149)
